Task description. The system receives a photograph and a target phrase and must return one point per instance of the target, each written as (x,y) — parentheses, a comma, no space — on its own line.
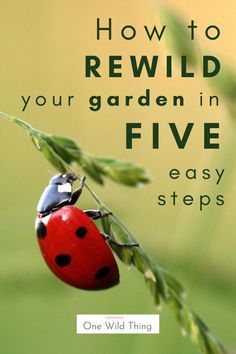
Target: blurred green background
(43,45)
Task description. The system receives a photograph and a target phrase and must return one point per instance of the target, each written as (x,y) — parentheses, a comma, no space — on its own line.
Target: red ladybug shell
(75,250)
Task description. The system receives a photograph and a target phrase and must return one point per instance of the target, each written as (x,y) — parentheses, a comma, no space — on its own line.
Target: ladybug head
(63,179)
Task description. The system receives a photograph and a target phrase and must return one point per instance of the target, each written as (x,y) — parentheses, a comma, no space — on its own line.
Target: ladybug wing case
(75,251)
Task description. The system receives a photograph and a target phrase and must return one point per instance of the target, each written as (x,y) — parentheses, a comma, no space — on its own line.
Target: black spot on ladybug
(41,230)
(102,272)
(81,232)
(63,260)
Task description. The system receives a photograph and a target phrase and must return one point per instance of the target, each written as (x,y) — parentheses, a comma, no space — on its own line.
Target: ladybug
(71,244)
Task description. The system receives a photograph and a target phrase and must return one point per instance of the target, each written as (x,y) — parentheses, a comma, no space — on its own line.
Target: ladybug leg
(108,238)
(96,214)
(75,196)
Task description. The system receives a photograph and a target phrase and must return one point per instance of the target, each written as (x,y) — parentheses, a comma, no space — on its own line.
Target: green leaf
(52,157)
(118,235)
(225,82)
(69,152)
(154,291)
(174,284)
(63,153)
(67,149)
(178,35)
(122,172)
(91,168)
